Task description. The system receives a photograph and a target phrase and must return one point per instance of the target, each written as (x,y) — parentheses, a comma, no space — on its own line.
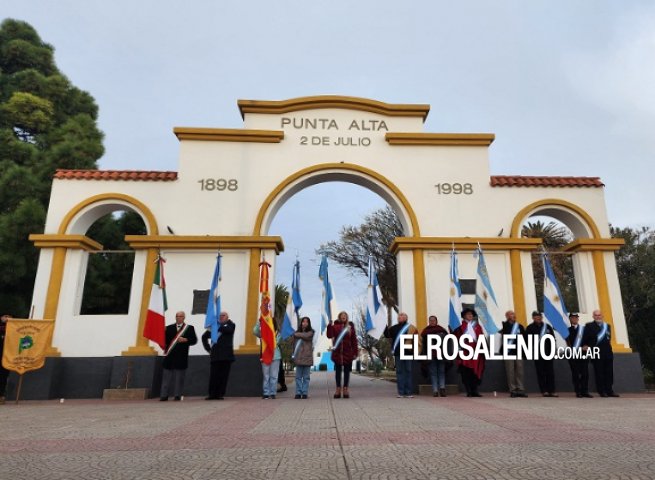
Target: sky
(566,86)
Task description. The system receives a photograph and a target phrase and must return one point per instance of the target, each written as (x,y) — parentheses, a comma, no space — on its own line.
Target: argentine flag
(214,303)
(376,312)
(486,305)
(294,302)
(554,308)
(327,297)
(287,323)
(455,304)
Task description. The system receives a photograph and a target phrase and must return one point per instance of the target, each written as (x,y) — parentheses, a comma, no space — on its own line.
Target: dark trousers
(604,373)
(545,375)
(580,376)
(280,376)
(172,379)
(469,379)
(219,372)
(346,369)
(4,374)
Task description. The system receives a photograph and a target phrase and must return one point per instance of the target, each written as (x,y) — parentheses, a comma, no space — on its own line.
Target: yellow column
(142,347)
(54,289)
(605,304)
(518,291)
(250,345)
(420,289)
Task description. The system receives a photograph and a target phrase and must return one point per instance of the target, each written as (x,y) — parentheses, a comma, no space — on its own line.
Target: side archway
(574,217)
(84,214)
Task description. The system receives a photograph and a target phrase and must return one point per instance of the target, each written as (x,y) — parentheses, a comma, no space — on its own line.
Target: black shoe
(522,394)
(442,392)
(614,395)
(435,394)
(211,398)
(163,399)
(554,395)
(220,398)
(304,397)
(297,397)
(513,395)
(272,397)
(603,395)
(265,397)
(282,388)
(586,395)
(177,399)
(476,394)
(578,395)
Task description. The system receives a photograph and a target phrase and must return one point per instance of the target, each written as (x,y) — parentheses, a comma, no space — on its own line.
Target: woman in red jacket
(344,351)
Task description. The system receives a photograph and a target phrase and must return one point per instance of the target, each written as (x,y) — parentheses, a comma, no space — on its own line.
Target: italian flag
(155,327)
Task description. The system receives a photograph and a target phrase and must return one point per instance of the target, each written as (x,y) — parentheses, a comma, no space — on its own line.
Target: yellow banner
(26,342)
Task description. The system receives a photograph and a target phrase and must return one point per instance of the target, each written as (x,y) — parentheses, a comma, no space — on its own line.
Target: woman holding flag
(303,356)
(344,351)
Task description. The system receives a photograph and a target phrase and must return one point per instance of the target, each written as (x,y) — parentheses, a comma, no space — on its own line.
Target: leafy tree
(45,123)
(554,237)
(108,279)
(635,263)
(373,237)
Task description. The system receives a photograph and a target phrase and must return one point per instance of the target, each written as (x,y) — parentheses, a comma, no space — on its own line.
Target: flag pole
(18,389)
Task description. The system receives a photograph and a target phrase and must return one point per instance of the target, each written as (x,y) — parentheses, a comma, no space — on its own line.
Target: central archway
(341,172)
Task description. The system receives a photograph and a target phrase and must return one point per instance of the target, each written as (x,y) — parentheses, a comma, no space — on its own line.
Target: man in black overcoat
(179,337)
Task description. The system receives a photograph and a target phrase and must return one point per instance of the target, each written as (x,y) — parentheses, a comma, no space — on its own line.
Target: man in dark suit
(579,366)
(221,355)
(179,337)
(599,334)
(545,370)
(513,368)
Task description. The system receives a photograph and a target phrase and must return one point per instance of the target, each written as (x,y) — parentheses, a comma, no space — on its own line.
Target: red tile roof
(522,181)
(133,175)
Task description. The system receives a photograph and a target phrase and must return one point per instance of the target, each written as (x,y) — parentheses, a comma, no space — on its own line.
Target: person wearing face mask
(344,351)
(599,334)
(545,369)
(404,373)
(472,369)
(579,366)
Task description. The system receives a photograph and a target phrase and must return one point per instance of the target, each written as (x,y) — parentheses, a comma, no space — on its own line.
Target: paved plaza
(372,435)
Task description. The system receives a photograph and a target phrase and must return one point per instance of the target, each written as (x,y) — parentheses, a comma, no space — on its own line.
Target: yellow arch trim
(525,211)
(150,218)
(333,101)
(347,167)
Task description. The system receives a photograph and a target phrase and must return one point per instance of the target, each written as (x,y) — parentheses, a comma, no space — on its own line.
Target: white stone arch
(349,173)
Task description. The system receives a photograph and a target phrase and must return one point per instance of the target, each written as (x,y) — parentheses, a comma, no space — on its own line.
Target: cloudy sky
(566,86)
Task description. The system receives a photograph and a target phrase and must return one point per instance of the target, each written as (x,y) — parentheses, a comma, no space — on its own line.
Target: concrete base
(73,377)
(125,394)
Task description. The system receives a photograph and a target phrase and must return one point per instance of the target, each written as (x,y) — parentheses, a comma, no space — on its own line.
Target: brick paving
(372,435)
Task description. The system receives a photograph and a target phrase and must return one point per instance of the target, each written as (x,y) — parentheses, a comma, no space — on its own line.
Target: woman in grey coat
(303,356)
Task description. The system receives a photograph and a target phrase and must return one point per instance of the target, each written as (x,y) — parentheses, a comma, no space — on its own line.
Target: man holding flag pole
(220,330)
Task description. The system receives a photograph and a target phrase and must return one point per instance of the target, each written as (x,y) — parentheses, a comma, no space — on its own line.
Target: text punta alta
(301,123)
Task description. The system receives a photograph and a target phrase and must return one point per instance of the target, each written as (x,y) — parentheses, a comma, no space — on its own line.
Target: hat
(467,310)
(573,314)
(537,314)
